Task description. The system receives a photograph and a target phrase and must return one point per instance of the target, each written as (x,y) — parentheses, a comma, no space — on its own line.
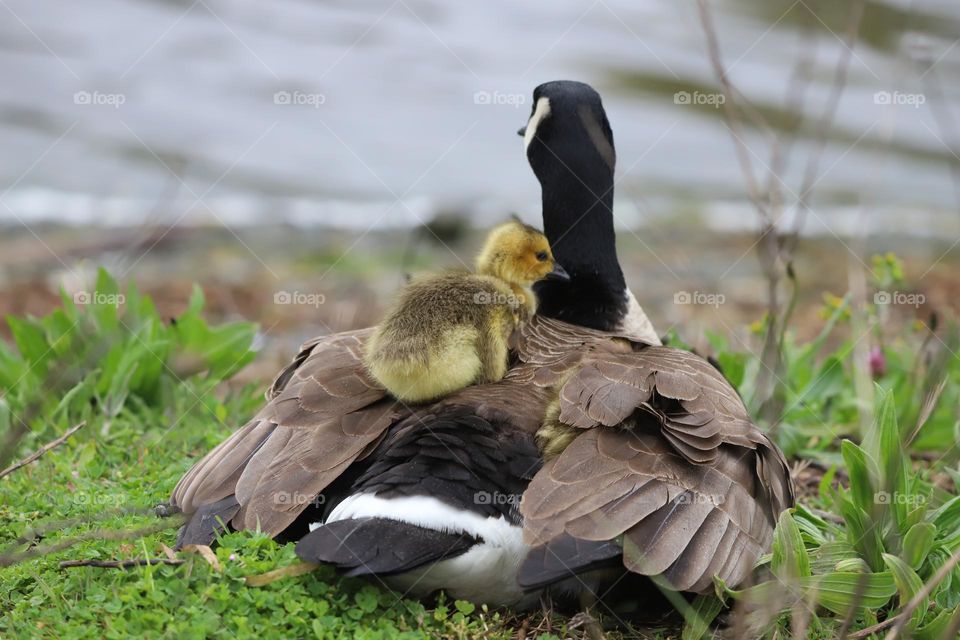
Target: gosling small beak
(522,131)
(558,273)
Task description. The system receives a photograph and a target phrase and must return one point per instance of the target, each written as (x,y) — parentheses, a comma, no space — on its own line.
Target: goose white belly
(487,573)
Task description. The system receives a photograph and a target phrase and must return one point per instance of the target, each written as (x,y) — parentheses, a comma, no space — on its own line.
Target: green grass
(878,515)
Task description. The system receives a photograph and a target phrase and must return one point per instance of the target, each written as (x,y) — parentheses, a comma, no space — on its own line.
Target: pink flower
(878,362)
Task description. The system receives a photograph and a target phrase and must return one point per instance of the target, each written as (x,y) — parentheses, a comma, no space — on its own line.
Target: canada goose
(652,459)
(666,474)
(448,331)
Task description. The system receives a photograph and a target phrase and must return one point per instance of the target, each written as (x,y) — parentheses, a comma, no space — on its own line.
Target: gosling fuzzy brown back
(445,332)
(449,331)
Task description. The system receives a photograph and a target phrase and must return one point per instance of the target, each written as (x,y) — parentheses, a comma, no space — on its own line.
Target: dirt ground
(297,283)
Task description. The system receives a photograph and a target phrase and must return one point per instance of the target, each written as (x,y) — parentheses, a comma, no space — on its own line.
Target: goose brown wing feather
(281,480)
(679,517)
(696,407)
(215,476)
(323,412)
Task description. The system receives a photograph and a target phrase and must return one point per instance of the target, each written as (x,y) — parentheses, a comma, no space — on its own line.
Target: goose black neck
(578,222)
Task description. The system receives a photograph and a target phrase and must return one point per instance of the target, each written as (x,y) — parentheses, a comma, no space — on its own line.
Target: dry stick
(796,97)
(854,606)
(733,119)
(866,632)
(42,450)
(923,594)
(810,177)
(770,250)
(826,119)
(119,564)
(10,558)
(42,530)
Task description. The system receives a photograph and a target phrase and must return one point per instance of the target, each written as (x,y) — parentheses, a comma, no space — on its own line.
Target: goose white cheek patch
(541,112)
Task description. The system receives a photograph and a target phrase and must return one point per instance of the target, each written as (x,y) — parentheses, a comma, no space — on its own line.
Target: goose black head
(569,145)
(568,132)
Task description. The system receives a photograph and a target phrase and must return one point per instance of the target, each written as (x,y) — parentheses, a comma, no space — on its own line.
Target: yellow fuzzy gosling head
(517,253)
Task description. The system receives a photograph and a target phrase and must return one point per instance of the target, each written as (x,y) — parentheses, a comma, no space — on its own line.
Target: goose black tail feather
(379,546)
(564,557)
(208,522)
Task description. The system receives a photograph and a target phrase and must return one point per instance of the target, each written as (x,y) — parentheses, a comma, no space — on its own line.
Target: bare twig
(42,450)
(8,558)
(775,250)
(768,241)
(923,594)
(729,106)
(796,95)
(866,632)
(825,124)
(119,564)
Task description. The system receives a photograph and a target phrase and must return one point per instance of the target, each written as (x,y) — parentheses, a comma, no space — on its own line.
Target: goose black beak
(558,273)
(522,131)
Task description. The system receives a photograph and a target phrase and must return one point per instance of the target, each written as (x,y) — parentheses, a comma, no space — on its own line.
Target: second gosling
(448,331)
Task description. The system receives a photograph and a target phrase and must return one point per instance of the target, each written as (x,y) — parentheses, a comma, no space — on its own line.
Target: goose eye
(542,256)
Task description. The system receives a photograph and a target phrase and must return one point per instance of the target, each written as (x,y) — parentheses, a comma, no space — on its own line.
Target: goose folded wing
(322,413)
(668,464)
(694,405)
(672,518)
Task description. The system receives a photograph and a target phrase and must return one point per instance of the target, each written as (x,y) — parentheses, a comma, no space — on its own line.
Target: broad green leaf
(197,301)
(30,340)
(825,558)
(908,584)
(105,301)
(918,542)
(837,591)
(790,559)
(699,616)
(862,473)
(862,533)
(856,565)
(947,517)
(937,628)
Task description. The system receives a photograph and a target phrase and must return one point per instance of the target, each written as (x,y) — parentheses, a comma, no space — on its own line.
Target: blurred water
(374,112)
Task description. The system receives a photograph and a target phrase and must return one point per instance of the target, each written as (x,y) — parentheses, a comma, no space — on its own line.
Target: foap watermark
(496,498)
(88,499)
(496,297)
(698,498)
(699,298)
(299,297)
(897,98)
(99,297)
(498,98)
(699,98)
(909,499)
(99,98)
(299,98)
(899,298)
(298,499)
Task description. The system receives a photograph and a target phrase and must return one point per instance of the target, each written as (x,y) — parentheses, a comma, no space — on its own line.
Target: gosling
(451,330)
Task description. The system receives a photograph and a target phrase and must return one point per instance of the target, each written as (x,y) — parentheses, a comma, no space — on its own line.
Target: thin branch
(729,106)
(923,594)
(796,96)
(8,558)
(866,632)
(826,120)
(42,450)
(119,564)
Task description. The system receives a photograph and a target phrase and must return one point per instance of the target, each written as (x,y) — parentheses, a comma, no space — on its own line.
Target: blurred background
(299,158)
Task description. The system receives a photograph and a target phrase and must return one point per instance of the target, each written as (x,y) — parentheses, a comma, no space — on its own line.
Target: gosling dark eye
(542,256)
